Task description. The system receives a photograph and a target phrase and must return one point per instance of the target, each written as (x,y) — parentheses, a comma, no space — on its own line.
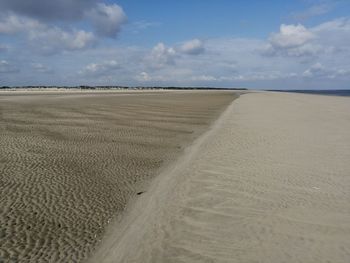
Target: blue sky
(254,44)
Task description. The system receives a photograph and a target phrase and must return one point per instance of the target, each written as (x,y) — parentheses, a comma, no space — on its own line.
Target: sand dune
(70,162)
(269,183)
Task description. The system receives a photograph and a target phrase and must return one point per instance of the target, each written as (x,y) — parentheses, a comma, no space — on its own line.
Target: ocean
(344,93)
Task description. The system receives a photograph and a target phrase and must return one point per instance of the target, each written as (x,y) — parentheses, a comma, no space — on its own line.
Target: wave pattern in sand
(70,163)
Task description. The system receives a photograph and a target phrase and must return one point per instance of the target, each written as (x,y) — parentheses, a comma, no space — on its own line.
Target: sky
(258,44)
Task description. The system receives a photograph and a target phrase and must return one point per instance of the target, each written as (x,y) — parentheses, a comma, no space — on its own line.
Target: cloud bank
(69,47)
(58,24)
(6,67)
(107,19)
(192,47)
(48,10)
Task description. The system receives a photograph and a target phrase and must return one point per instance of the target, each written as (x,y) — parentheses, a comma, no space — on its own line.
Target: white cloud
(40,68)
(235,61)
(48,9)
(192,47)
(100,69)
(299,41)
(13,24)
(314,10)
(6,67)
(107,19)
(334,34)
(204,78)
(47,39)
(321,72)
(161,56)
(315,70)
(143,76)
(54,40)
(300,57)
(340,24)
(303,51)
(343,72)
(291,36)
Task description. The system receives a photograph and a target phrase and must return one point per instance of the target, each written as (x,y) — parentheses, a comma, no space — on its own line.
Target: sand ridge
(269,183)
(69,162)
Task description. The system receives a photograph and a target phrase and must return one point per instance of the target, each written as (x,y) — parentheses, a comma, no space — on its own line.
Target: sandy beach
(71,161)
(174,131)
(269,182)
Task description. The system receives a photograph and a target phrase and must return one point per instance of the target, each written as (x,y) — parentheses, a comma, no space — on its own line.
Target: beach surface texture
(70,161)
(269,182)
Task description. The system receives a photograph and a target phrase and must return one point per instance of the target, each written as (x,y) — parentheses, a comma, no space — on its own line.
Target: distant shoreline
(341,92)
(336,92)
(83,87)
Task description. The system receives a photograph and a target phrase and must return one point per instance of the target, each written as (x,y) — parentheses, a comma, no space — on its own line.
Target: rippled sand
(269,183)
(69,162)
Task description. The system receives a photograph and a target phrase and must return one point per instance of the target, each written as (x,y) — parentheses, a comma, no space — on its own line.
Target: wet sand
(268,183)
(71,161)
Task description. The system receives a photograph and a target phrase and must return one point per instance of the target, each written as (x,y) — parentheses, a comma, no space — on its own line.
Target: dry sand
(70,162)
(270,182)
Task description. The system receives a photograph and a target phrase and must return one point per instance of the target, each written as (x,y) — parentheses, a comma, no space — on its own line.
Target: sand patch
(269,183)
(70,162)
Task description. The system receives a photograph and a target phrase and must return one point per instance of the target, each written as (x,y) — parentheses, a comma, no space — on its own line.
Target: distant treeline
(118,87)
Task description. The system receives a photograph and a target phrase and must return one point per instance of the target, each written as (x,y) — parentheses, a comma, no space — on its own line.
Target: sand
(70,162)
(270,182)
